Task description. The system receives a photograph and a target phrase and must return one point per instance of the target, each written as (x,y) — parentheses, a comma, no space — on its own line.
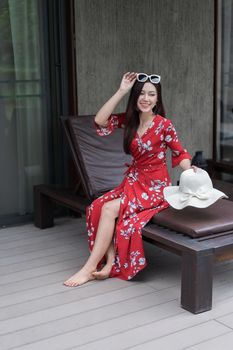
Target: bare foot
(79,278)
(102,274)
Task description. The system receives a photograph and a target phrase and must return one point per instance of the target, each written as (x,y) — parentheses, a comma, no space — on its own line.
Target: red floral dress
(140,193)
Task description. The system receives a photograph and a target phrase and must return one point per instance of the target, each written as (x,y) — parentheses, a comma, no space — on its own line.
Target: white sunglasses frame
(149,77)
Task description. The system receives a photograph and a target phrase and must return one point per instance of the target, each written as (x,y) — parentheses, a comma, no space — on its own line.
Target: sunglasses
(143,77)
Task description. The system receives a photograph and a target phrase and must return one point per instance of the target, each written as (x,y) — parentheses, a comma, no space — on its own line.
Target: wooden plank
(63,296)
(37,262)
(43,245)
(15,230)
(37,239)
(57,248)
(227,255)
(106,328)
(20,297)
(142,338)
(171,238)
(98,313)
(181,242)
(44,198)
(161,328)
(139,293)
(227,320)
(218,342)
(68,223)
(185,338)
(132,302)
(222,293)
(64,196)
(43,281)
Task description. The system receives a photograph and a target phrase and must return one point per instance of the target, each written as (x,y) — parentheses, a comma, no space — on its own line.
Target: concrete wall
(173,38)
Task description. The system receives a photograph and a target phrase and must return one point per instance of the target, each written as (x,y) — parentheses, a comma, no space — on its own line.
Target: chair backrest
(99,161)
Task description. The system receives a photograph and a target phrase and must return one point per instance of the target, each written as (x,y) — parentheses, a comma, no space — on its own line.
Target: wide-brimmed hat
(195,189)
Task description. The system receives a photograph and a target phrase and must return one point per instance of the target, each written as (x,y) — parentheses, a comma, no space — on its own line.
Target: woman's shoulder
(162,119)
(165,123)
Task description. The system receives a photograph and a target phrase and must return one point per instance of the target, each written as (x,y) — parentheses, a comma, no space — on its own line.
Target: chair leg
(43,209)
(197,281)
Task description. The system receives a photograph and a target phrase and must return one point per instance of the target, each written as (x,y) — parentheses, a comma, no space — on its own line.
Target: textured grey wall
(174,38)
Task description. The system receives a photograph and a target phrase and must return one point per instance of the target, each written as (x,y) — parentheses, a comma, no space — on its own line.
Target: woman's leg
(105,271)
(102,246)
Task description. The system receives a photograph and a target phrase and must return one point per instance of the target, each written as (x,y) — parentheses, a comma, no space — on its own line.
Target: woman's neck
(146,117)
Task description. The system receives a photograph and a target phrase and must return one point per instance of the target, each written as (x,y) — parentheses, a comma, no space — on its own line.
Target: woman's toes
(66,283)
(79,278)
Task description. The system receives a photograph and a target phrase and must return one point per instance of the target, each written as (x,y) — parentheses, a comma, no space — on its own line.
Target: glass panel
(24,105)
(225,88)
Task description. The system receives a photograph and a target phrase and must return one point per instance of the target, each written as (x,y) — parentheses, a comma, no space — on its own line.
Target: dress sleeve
(172,141)
(114,122)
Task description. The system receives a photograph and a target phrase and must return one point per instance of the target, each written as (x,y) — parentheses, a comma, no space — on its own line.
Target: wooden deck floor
(37,312)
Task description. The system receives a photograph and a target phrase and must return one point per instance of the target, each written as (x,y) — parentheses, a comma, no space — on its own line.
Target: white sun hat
(195,189)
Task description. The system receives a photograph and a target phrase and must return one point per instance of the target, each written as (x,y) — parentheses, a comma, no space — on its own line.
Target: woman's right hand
(127,81)
(106,110)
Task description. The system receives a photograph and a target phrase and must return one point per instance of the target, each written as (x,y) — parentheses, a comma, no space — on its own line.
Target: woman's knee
(111,208)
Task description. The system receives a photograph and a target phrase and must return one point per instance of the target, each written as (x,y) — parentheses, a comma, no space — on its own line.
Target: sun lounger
(199,236)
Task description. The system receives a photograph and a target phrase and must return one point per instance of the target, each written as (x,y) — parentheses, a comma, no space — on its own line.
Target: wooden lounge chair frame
(198,254)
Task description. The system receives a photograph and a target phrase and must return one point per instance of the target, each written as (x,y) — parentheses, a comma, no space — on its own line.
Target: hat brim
(173,196)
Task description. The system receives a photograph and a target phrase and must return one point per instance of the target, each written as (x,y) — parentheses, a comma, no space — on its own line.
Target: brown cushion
(101,158)
(197,222)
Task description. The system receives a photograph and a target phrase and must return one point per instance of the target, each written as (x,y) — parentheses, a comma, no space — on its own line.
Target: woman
(115,220)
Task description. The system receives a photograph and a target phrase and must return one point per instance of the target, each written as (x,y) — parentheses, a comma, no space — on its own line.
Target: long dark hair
(132,114)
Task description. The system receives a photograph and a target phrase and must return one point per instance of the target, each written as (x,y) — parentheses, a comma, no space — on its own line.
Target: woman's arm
(106,110)
(185,164)
(103,114)
(180,156)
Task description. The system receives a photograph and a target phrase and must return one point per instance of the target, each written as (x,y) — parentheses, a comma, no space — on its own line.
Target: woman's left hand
(194,167)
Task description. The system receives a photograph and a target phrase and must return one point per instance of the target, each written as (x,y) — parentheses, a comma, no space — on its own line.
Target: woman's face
(147,99)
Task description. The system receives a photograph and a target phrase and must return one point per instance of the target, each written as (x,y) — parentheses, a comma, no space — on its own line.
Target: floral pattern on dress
(141,192)
(114,121)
